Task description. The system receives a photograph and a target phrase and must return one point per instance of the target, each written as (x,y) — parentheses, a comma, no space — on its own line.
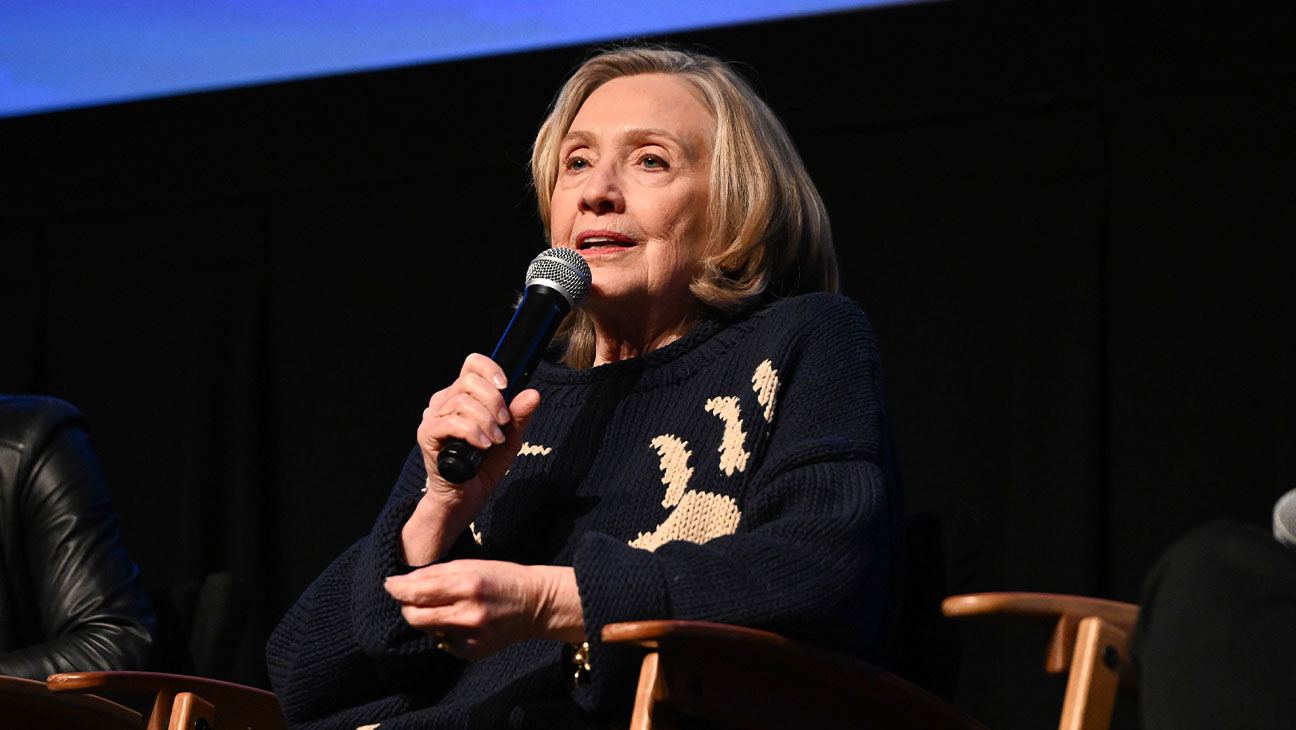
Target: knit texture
(740,474)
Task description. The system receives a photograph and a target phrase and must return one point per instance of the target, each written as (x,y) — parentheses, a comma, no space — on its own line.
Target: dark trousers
(1215,644)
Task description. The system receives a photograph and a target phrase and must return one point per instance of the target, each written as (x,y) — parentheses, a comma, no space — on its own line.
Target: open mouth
(602,240)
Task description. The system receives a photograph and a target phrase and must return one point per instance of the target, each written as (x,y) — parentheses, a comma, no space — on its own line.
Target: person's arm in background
(74,592)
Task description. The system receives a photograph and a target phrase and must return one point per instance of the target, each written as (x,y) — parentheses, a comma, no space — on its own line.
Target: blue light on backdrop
(57,54)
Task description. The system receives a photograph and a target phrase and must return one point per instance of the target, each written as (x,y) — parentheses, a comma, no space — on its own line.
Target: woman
(710,447)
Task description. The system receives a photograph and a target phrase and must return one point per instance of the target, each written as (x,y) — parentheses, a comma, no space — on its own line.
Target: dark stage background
(1072,229)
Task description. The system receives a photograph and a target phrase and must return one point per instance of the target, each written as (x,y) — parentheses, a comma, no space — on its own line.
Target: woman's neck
(625,337)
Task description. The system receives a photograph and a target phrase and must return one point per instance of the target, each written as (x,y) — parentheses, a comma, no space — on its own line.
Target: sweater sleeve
(343,651)
(815,553)
(92,612)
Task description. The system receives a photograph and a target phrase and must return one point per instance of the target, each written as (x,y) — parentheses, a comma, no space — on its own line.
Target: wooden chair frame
(742,677)
(756,680)
(179,702)
(30,705)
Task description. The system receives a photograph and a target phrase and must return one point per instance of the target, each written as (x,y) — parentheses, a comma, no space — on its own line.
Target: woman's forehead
(644,101)
(644,109)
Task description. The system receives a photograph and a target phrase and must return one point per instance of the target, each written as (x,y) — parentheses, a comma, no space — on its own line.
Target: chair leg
(160,717)
(1101,651)
(648,713)
(1061,646)
(191,712)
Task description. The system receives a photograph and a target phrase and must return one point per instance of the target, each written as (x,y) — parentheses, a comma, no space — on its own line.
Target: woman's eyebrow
(576,136)
(685,145)
(579,135)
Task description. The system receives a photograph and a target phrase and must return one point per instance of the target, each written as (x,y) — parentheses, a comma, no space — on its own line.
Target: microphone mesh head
(564,270)
(1284,519)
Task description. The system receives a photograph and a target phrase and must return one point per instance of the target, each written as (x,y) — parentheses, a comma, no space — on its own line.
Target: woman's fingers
(471,396)
(470,393)
(480,605)
(470,423)
(524,404)
(471,408)
(476,607)
(458,581)
(479,364)
(499,459)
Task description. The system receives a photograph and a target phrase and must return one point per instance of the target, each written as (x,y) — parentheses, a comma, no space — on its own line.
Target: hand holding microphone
(480,409)
(557,281)
(484,410)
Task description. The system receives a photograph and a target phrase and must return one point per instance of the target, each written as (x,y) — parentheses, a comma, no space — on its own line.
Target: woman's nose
(602,192)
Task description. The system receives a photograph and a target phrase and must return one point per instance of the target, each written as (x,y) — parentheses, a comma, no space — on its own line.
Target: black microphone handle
(519,350)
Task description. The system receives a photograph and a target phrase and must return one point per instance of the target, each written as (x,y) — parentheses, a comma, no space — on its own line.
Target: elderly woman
(710,445)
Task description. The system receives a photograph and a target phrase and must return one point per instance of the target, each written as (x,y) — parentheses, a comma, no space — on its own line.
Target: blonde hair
(768,229)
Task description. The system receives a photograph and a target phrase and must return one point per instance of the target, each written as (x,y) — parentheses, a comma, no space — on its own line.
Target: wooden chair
(755,680)
(26,704)
(1090,640)
(178,702)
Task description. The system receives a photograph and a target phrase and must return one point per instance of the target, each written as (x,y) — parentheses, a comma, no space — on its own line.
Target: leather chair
(755,680)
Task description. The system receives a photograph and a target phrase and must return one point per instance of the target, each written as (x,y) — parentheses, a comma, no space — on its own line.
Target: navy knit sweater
(739,474)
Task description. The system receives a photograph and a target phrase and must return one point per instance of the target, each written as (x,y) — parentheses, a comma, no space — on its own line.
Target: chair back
(201,626)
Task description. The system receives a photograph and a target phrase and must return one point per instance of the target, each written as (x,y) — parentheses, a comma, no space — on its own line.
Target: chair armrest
(649,634)
(1067,610)
(236,704)
(756,679)
(1040,605)
(28,703)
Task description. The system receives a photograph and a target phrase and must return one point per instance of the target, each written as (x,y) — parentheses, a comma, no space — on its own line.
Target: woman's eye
(653,162)
(575,163)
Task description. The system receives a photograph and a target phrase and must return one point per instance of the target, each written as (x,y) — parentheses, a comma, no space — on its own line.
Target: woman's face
(632,191)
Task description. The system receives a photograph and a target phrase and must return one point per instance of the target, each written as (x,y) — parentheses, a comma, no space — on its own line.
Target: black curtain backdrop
(1072,229)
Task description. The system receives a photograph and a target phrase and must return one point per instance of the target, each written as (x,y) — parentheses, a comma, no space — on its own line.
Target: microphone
(556,283)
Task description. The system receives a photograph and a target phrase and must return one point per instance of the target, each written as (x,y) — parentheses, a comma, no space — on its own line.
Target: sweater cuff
(616,583)
(379,627)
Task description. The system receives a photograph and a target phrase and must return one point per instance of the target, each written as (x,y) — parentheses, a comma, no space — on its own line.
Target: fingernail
(503,416)
(484,441)
(499,381)
(499,436)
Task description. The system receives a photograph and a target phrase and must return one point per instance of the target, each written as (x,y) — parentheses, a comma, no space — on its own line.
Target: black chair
(201,625)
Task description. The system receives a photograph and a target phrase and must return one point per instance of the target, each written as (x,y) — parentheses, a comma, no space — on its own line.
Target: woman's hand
(476,607)
(472,409)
